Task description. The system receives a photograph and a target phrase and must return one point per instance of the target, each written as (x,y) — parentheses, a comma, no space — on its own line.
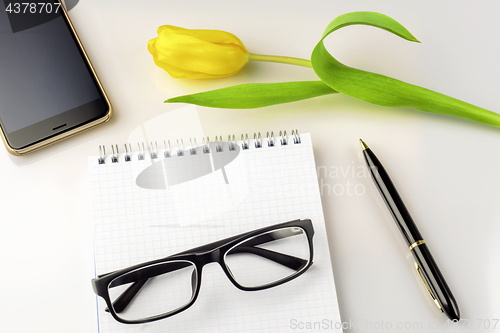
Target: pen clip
(417,267)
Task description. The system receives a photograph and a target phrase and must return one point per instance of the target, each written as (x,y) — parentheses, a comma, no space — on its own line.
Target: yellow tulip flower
(205,54)
(197,54)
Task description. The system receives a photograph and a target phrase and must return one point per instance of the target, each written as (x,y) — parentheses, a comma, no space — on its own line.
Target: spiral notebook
(152,201)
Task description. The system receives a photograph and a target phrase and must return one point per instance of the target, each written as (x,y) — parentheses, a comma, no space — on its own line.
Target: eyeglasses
(254,260)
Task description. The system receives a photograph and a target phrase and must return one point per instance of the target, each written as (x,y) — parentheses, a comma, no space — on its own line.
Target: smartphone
(49,90)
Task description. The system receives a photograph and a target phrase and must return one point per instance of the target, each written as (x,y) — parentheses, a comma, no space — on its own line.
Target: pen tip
(363,144)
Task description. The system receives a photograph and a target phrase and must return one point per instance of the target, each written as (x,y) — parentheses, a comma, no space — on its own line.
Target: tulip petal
(195,54)
(256,95)
(382,90)
(212,36)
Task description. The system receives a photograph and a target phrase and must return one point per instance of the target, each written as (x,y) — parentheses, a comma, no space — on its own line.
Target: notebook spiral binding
(152,150)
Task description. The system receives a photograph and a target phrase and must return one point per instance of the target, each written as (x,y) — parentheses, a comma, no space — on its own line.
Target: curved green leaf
(382,90)
(256,95)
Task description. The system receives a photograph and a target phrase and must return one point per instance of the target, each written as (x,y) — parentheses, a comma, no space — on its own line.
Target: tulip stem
(280,59)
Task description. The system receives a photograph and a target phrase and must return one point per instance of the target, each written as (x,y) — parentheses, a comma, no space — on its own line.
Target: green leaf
(382,90)
(256,95)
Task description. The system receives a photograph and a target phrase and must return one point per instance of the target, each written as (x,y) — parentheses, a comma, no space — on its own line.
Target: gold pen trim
(426,287)
(363,144)
(417,243)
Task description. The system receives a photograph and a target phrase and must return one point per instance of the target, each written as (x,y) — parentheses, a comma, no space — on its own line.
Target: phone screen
(43,75)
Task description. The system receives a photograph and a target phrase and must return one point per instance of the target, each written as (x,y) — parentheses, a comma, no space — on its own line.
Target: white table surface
(447,170)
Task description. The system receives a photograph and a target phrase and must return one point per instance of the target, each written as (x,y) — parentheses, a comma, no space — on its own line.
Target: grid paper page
(135,222)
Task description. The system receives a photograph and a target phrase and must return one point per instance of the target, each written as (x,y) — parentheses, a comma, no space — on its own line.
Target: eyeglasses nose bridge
(209,257)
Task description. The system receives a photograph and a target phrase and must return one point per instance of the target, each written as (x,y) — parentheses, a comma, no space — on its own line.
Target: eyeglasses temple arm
(139,279)
(291,262)
(127,296)
(272,236)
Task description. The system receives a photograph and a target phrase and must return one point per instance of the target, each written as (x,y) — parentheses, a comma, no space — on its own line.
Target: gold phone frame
(75,131)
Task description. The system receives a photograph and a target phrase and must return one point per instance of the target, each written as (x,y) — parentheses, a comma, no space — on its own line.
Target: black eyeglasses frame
(199,257)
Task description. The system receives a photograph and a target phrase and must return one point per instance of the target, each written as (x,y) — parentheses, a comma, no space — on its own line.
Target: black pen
(424,264)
